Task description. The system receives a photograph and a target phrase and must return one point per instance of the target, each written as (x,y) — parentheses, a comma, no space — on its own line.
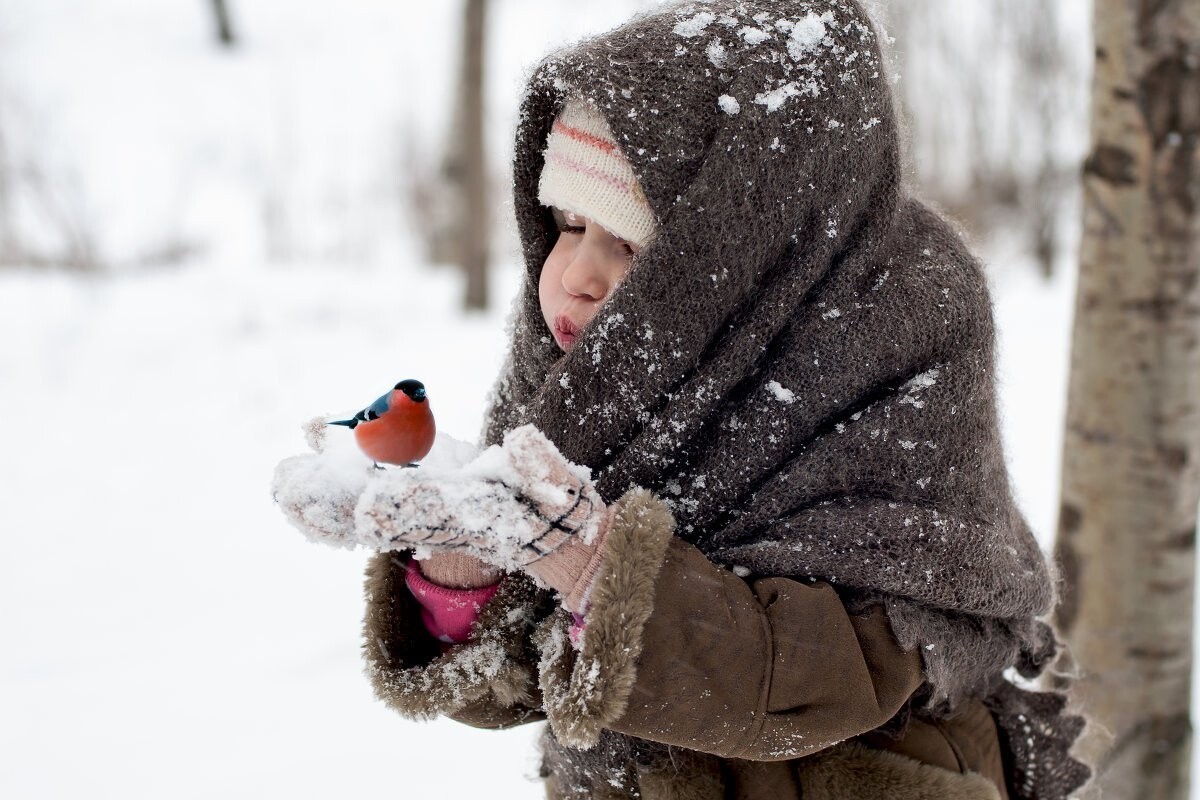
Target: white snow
(730,106)
(695,25)
(782,394)
(753,36)
(774,99)
(716,53)
(808,34)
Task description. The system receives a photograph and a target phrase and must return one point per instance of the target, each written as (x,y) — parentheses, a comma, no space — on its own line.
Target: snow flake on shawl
(695,25)
(808,59)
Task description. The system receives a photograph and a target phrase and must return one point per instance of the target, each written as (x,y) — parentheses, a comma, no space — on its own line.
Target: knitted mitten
(512,507)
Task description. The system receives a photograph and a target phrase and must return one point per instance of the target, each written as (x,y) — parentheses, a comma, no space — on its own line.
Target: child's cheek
(546,296)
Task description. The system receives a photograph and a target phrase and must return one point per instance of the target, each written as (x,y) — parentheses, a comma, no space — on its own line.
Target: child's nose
(584,276)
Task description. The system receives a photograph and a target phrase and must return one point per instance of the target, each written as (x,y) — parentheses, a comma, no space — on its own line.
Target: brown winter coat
(773,677)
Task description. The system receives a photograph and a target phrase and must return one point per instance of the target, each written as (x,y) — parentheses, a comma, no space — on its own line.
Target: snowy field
(166,633)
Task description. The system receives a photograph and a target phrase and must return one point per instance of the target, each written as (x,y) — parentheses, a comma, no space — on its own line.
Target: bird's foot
(406,466)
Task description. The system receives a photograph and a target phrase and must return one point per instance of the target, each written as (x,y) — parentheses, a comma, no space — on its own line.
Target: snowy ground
(165,633)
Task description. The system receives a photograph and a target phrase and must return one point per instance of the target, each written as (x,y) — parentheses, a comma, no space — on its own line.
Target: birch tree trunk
(1131,466)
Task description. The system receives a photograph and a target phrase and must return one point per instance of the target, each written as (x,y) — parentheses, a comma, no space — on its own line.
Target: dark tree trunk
(475,232)
(224,23)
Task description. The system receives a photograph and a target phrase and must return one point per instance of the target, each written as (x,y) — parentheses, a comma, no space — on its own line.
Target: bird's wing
(373,411)
(376,409)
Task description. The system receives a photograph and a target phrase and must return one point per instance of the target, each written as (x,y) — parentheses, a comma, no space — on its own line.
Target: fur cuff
(852,770)
(585,691)
(404,662)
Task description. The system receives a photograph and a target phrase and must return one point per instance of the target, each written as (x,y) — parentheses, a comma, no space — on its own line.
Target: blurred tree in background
(224,23)
(995,99)
(453,203)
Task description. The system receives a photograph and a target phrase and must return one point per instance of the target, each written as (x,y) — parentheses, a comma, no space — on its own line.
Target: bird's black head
(414,389)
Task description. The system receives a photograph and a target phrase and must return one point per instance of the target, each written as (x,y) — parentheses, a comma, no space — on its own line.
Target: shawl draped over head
(801,363)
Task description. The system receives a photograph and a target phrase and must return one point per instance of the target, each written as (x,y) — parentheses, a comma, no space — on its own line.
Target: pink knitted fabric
(447,613)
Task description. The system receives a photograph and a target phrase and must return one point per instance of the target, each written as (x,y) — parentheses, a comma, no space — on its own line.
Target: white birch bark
(1131,469)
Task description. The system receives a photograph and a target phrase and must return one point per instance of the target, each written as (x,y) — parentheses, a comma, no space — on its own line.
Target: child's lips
(565,331)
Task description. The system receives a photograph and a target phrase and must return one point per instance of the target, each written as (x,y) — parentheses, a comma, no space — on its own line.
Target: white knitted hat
(586,173)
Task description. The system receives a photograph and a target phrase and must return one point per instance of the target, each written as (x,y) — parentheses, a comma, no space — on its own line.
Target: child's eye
(564,222)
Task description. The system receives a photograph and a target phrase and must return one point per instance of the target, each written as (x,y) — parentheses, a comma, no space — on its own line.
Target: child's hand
(318,493)
(510,507)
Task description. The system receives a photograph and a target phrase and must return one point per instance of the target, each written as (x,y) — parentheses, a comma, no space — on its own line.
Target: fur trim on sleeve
(584,691)
(409,673)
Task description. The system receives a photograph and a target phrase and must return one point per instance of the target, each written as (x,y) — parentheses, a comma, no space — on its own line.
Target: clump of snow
(782,394)
(774,99)
(740,571)
(315,431)
(923,380)
(716,54)
(448,453)
(808,34)
(753,36)
(694,26)
(916,385)
(730,106)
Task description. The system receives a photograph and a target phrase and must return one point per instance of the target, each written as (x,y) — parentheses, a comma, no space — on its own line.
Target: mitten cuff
(586,690)
(571,569)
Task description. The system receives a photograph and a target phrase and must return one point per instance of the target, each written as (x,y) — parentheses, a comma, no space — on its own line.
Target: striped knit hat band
(586,173)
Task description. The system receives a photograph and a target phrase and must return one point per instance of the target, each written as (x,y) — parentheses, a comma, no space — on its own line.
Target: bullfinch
(397,428)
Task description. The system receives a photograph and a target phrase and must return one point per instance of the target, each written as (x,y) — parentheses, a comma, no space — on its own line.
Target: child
(793,566)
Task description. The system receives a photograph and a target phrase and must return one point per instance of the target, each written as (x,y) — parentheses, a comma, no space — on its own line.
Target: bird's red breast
(402,435)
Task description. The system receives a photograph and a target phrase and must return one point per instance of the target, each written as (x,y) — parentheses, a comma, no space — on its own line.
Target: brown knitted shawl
(801,363)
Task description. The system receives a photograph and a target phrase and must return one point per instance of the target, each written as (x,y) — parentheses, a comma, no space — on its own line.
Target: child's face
(580,273)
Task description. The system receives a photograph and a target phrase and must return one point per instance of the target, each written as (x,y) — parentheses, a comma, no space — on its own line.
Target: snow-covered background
(165,633)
